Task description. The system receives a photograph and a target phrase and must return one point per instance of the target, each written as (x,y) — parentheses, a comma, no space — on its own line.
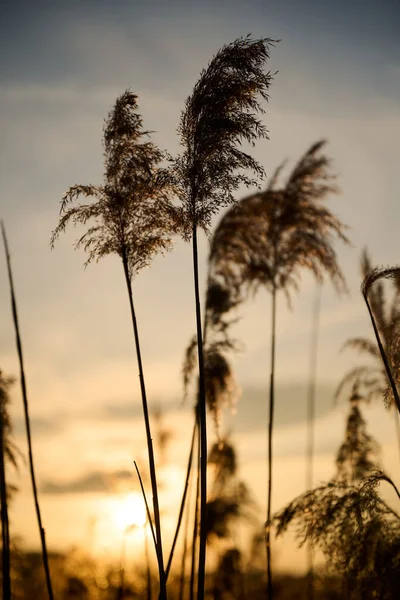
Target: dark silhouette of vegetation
(187,523)
(356,529)
(221,388)
(133,219)
(229,504)
(195,528)
(26,415)
(218,116)
(372,377)
(348,520)
(372,279)
(7,454)
(229,500)
(311,402)
(265,240)
(228,579)
(182,506)
(268,239)
(357,456)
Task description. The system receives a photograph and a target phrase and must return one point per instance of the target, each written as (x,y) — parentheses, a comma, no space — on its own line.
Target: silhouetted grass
(27,420)
(372,378)
(268,239)
(372,278)
(311,405)
(218,116)
(133,219)
(5,531)
(265,240)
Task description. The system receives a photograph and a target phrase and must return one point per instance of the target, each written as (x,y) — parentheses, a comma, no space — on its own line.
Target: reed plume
(268,239)
(219,115)
(347,518)
(132,217)
(373,378)
(368,283)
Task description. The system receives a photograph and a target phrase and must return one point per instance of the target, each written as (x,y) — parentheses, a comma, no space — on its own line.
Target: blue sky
(62,65)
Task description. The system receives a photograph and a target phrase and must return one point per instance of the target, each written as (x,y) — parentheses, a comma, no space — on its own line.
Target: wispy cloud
(91,482)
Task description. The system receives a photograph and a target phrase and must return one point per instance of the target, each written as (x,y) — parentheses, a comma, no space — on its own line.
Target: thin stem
(147,558)
(311,426)
(147,505)
(190,460)
(270,431)
(397,426)
(27,420)
(159,551)
(195,525)
(202,423)
(383,355)
(185,541)
(183,501)
(5,533)
(391,482)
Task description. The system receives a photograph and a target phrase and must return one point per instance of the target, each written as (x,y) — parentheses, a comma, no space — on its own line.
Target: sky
(62,65)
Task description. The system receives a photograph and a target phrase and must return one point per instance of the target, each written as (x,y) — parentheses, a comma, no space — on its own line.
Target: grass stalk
(148,569)
(27,420)
(270,432)
(195,525)
(383,354)
(5,532)
(185,542)
(311,426)
(157,521)
(396,416)
(183,501)
(202,416)
(147,506)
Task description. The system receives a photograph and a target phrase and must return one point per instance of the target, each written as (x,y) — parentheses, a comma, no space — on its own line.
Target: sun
(129,511)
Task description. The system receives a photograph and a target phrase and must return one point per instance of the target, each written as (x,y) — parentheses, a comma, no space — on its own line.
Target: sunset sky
(62,65)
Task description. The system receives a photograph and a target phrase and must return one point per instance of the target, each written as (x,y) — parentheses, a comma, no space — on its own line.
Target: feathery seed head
(270,236)
(132,211)
(220,114)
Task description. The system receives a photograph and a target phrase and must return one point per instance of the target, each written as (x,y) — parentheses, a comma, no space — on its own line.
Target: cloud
(89,483)
(290,405)
(41,426)
(129,411)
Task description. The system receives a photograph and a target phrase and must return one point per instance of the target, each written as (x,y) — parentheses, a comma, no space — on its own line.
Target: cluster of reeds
(347,519)
(134,217)
(373,377)
(266,240)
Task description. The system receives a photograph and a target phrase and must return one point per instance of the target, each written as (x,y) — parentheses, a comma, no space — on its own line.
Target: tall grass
(221,387)
(185,544)
(184,496)
(373,278)
(372,378)
(5,531)
(269,238)
(133,218)
(27,420)
(311,395)
(218,116)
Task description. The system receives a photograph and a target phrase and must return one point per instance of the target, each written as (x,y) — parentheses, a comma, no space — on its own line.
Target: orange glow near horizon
(128,512)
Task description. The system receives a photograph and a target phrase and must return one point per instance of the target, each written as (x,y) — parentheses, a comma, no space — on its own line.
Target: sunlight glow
(129,511)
